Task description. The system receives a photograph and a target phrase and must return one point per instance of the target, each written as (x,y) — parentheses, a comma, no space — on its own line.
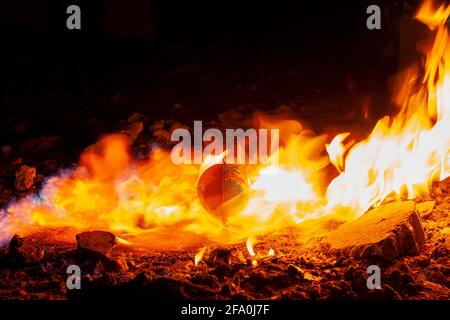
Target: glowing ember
(155,201)
(403,155)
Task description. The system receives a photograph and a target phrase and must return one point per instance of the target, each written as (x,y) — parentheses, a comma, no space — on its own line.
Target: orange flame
(250,243)
(403,154)
(199,255)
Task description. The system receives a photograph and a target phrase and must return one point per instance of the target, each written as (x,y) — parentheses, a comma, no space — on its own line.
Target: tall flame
(403,155)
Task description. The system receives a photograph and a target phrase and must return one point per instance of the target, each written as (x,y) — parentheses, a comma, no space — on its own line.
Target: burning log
(220,256)
(95,243)
(133,130)
(389,231)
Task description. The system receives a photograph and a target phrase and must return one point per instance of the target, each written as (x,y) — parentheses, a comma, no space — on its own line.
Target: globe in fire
(223,190)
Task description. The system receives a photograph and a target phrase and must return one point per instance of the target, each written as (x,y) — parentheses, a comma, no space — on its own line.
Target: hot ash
(155,202)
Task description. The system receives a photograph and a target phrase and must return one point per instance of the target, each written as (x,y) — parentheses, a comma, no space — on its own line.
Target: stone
(422,261)
(388,231)
(115,263)
(95,243)
(295,271)
(109,263)
(25,177)
(425,208)
(137,117)
(162,134)
(157,125)
(133,130)
(24,251)
(220,256)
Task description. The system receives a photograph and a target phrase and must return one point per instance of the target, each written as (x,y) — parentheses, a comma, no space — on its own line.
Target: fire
(154,202)
(403,155)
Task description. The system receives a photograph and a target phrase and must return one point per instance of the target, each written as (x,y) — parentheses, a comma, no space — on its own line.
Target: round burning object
(223,190)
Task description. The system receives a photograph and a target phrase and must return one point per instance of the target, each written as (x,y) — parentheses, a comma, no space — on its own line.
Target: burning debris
(95,243)
(24,251)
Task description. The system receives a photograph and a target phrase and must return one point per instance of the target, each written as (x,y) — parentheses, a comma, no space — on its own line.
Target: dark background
(38,27)
(186,60)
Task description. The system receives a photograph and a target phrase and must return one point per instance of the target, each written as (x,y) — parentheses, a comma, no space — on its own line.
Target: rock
(389,231)
(440,251)
(24,251)
(25,178)
(422,261)
(95,243)
(357,276)
(338,290)
(110,263)
(205,279)
(221,271)
(162,134)
(157,125)
(133,130)
(399,275)
(162,129)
